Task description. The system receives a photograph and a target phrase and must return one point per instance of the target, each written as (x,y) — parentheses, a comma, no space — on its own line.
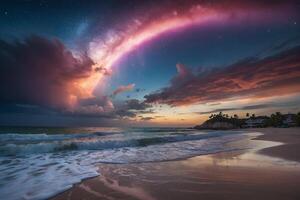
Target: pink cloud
(270,76)
(123,88)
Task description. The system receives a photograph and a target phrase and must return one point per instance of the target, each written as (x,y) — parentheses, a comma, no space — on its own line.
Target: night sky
(146,63)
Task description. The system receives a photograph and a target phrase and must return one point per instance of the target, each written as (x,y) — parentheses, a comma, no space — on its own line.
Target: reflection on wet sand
(243,174)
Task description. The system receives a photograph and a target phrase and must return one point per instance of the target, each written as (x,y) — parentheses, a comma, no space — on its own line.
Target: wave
(42,143)
(162,130)
(51,164)
(17,137)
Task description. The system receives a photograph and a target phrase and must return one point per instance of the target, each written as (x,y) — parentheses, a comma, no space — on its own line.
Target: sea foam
(42,165)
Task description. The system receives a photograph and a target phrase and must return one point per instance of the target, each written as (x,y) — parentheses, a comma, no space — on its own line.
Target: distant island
(223,121)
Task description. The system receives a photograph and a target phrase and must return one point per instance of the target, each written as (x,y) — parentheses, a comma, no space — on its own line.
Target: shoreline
(228,175)
(290,142)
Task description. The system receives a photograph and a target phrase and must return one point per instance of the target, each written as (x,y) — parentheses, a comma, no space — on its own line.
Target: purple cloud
(38,71)
(254,77)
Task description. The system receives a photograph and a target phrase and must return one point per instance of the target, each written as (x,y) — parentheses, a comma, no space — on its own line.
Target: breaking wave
(42,165)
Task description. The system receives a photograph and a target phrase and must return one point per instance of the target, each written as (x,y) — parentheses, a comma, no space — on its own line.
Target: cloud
(104,71)
(103,107)
(134,104)
(147,118)
(132,107)
(286,44)
(123,88)
(125,113)
(94,107)
(38,71)
(102,101)
(274,75)
(251,107)
(90,110)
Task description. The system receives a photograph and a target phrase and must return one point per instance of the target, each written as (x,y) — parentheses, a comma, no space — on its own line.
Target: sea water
(38,163)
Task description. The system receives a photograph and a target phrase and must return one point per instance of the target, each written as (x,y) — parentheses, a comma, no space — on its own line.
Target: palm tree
(278,113)
(276,119)
(298,119)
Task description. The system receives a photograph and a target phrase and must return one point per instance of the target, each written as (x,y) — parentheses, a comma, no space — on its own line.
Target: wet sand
(267,172)
(289,136)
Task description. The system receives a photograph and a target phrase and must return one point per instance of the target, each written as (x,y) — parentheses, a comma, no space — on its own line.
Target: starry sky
(146,63)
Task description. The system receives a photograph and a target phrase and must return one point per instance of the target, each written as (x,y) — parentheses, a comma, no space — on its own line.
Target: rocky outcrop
(216,125)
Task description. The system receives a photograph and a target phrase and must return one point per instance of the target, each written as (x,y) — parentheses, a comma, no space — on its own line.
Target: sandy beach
(269,171)
(290,137)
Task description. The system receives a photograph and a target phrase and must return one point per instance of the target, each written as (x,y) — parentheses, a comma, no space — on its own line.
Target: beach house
(289,120)
(255,122)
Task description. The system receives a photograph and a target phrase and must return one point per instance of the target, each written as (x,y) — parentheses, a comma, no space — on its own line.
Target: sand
(264,173)
(289,136)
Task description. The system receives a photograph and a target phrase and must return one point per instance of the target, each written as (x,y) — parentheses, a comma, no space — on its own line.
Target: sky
(146,63)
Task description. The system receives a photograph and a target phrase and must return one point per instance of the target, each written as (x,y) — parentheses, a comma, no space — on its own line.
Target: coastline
(290,137)
(269,172)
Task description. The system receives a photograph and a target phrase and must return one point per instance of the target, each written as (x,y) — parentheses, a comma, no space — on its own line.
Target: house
(289,120)
(255,122)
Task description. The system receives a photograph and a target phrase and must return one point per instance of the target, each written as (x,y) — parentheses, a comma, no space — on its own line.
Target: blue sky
(145,82)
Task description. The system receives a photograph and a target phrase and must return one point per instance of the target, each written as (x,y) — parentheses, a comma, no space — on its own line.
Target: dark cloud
(26,109)
(104,71)
(104,107)
(102,101)
(251,107)
(38,71)
(150,111)
(150,118)
(134,104)
(132,107)
(147,118)
(253,77)
(125,113)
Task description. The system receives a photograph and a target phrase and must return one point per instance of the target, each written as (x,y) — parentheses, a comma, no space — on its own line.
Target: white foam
(38,172)
(33,143)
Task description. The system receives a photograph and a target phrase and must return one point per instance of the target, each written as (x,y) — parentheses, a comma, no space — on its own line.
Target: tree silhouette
(298,119)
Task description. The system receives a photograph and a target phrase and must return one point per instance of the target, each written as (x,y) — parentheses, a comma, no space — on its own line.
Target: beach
(270,169)
(150,100)
(290,137)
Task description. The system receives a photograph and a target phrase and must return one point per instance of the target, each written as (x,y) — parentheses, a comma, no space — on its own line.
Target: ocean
(37,163)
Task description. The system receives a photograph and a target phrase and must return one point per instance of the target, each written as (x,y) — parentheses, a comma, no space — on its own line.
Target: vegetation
(225,118)
(274,120)
(298,119)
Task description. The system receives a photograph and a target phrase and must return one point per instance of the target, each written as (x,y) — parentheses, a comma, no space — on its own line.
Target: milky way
(115,61)
(107,51)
